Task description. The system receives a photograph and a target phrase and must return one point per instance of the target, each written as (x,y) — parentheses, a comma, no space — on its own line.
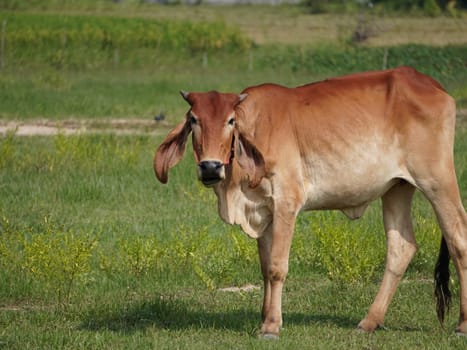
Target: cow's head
(211,119)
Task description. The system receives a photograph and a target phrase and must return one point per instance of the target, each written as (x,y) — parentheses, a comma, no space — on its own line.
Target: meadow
(94,253)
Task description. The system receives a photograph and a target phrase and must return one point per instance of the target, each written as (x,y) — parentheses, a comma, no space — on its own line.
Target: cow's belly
(346,196)
(351,183)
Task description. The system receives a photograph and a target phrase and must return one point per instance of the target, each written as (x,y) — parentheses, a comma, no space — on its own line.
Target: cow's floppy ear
(171,150)
(250,159)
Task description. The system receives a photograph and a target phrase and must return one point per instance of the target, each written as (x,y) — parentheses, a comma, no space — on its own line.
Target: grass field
(274,24)
(88,66)
(94,253)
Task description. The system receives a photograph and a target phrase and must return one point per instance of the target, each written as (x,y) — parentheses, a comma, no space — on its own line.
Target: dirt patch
(79,126)
(247,288)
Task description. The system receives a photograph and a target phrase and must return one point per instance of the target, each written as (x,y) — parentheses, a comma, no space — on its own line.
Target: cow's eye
(193,120)
(231,121)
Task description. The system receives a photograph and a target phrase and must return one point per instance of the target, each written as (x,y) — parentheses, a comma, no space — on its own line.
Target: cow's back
(400,98)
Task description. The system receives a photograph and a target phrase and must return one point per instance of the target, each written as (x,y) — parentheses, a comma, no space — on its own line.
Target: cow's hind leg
(401,247)
(443,193)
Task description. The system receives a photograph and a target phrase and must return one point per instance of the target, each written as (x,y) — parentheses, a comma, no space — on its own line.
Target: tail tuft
(442,292)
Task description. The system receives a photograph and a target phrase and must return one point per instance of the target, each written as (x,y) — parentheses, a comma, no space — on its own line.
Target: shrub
(136,255)
(216,260)
(347,251)
(30,32)
(440,63)
(57,259)
(431,8)
(60,259)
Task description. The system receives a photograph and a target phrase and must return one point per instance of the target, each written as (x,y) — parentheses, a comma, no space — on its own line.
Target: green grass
(320,315)
(156,255)
(45,31)
(273,24)
(121,65)
(142,90)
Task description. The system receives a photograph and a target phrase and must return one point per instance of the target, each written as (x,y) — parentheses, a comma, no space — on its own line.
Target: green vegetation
(145,91)
(94,66)
(44,32)
(94,253)
(414,7)
(92,245)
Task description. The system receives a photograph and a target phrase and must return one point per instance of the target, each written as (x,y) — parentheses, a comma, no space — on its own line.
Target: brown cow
(273,151)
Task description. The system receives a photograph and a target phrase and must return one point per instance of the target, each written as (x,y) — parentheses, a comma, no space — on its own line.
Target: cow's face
(211,119)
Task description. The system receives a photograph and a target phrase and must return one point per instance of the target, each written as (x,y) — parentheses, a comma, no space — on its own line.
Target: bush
(139,255)
(42,253)
(440,63)
(32,32)
(345,251)
(424,7)
(348,251)
(78,42)
(57,259)
(431,8)
(216,260)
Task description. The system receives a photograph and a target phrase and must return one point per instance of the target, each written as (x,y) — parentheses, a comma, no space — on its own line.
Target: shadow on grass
(176,314)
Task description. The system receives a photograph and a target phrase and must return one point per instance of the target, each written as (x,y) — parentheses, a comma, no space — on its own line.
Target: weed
(78,152)
(140,255)
(57,259)
(61,35)
(348,252)
(7,150)
(11,243)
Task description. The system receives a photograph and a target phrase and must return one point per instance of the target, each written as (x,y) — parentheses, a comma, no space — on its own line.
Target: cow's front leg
(264,250)
(276,272)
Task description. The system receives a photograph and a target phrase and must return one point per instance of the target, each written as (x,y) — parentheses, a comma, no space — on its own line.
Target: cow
(271,152)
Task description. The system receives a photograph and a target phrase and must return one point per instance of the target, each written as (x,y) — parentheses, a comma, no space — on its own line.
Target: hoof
(368,326)
(269,336)
(269,331)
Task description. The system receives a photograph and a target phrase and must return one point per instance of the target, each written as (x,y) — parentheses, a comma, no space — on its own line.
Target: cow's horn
(184,94)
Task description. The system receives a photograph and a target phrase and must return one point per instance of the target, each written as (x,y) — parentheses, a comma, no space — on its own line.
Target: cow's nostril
(210,165)
(211,171)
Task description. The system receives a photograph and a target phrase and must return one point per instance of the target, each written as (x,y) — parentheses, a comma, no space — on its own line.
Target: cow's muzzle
(211,172)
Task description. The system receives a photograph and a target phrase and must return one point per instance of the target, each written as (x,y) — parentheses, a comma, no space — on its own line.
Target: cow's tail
(442,293)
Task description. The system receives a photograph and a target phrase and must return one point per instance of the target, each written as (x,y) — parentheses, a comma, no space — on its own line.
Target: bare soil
(246,288)
(78,126)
